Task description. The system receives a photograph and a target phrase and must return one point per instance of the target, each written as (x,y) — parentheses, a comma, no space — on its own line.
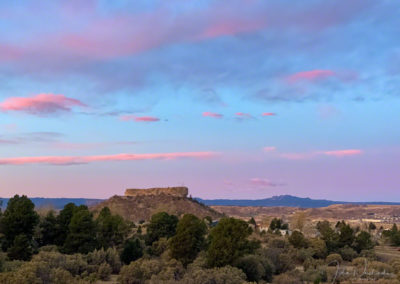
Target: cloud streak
(269,149)
(333,153)
(243,115)
(41,104)
(343,153)
(76,160)
(312,75)
(268,114)
(262,182)
(139,118)
(212,114)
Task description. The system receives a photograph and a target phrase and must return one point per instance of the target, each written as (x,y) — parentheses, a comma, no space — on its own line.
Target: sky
(233,99)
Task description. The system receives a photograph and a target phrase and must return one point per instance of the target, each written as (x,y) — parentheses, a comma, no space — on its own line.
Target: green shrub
(315,275)
(287,278)
(298,240)
(113,259)
(359,262)
(347,253)
(222,275)
(159,247)
(2,261)
(104,271)
(333,259)
(139,271)
(380,266)
(319,248)
(370,254)
(252,267)
(61,276)
(172,270)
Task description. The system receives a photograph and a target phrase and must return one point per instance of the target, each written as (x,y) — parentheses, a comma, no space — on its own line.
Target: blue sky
(246,100)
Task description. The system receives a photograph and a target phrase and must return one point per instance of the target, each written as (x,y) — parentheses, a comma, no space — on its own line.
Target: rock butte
(179,191)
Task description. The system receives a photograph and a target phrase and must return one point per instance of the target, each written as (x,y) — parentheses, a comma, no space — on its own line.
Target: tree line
(76,246)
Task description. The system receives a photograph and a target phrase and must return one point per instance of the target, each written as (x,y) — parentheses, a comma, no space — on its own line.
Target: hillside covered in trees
(74,246)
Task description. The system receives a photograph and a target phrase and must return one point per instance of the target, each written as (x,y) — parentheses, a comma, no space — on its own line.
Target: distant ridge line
(286,200)
(280,200)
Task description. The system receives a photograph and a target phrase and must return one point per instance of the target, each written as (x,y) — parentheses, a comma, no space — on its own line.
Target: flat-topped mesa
(179,191)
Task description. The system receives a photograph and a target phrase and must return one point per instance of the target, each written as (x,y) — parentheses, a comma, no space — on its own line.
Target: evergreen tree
(133,250)
(330,237)
(275,224)
(346,235)
(82,232)
(298,240)
(19,218)
(394,236)
(21,248)
(371,226)
(63,220)
(228,242)
(363,241)
(161,225)
(48,229)
(189,239)
(111,229)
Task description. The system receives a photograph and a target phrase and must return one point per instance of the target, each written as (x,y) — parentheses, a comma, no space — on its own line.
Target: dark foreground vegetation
(73,246)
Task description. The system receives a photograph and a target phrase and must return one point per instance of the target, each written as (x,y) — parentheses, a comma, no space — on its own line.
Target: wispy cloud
(333,153)
(311,75)
(41,104)
(76,160)
(212,114)
(243,115)
(31,137)
(262,182)
(268,114)
(80,146)
(269,149)
(343,153)
(139,118)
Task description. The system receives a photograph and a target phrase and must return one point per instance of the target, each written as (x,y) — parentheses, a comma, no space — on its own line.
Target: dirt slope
(142,207)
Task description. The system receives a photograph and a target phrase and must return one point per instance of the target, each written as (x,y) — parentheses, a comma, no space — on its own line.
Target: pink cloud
(343,153)
(232,26)
(243,115)
(312,75)
(73,160)
(268,114)
(212,114)
(40,104)
(269,149)
(309,155)
(105,35)
(139,118)
(125,34)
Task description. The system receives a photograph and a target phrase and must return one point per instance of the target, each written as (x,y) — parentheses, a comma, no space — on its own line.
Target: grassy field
(386,253)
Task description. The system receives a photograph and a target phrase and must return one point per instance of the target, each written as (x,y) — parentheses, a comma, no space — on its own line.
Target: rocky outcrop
(140,204)
(172,191)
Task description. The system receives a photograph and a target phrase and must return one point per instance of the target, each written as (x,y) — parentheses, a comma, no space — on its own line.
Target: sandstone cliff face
(172,191)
